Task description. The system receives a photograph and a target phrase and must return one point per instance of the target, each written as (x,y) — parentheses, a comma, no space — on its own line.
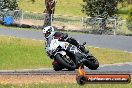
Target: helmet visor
(47,34)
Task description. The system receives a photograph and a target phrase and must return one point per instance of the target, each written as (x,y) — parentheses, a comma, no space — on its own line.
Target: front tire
(57,67)
(92,63)
(63,61)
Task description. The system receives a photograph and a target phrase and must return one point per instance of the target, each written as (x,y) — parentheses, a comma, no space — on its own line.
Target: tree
(129,19)
(7,7)
(49,10)
(129,1)
(9,4)
(100,8)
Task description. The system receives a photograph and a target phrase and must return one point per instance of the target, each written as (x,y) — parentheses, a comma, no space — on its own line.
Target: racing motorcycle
(69,56)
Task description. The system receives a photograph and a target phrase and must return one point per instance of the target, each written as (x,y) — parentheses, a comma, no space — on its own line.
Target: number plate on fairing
(72,48)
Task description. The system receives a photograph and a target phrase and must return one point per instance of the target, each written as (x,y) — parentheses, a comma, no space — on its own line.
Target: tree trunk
(102,25)
(49,11)
(129,1)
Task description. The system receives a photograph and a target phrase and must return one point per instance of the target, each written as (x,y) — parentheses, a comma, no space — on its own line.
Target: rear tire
(64,63)
(92,63)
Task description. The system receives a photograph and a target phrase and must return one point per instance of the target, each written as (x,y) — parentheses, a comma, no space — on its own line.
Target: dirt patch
(35,79)
(30,22)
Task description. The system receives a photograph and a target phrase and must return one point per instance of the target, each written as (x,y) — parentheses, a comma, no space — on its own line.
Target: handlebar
(84,43)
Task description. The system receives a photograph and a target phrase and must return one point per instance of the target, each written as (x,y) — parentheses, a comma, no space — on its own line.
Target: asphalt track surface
(105,41)
(125,68)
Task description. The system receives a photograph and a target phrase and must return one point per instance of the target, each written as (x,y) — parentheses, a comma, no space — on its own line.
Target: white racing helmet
(48,31)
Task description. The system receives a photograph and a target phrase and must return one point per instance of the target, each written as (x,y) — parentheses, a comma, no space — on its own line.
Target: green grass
(62,6)
(18,53)
(69,86)
(65,7)
(110,56)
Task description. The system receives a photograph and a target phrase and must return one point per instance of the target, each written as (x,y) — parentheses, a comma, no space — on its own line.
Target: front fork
(82,59)
(79,62)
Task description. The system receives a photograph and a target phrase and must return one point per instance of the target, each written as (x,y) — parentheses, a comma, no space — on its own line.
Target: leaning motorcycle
(68,56)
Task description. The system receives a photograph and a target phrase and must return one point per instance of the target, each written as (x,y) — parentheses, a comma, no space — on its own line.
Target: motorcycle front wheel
(66,61)
(92,63)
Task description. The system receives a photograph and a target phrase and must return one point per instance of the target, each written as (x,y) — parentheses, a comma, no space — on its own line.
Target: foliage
(100,8)
(9,4)
(33,1)
(129,19)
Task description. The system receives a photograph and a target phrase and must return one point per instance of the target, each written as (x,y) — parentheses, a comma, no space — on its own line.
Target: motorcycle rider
(50,34)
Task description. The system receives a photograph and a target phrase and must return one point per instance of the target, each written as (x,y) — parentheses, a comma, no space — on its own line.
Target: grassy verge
(18,53)
(68,86)
(67,7)
(22,53)
(62,6)
(13,27)
(110,56)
